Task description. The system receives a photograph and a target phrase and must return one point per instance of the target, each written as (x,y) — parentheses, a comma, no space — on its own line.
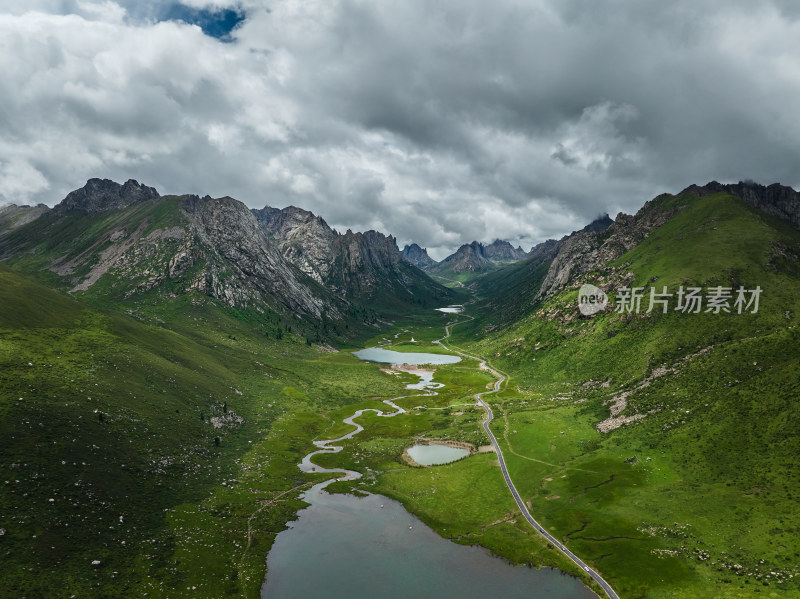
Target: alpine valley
(167,362)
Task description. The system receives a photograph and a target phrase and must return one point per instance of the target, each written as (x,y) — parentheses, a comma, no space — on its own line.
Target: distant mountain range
(555,265)
(127,242)
(473,260)
(130,242)
(291,259)
(470,260)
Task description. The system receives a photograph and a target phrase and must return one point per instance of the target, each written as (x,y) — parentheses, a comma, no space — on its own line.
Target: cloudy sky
(437,121)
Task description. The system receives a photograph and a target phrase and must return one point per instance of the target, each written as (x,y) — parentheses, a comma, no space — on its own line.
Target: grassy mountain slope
(13,216)
(696,494)
(446,275)
(468,263)
(167,455)
(511,290)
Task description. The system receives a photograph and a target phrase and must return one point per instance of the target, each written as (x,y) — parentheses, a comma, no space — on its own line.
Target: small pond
(451,309)
(387,356)
(346,547)
(425,380)
(432,455)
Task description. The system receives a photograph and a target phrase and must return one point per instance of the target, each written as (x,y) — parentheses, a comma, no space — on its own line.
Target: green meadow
(140,459)
(695,495)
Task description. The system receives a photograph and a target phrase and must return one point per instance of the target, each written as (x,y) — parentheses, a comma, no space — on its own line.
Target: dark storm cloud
(437,122)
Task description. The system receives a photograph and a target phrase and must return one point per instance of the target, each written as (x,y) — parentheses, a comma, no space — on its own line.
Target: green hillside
(153,451)
(408,289)
(695,495)
(510,291)
(444,274)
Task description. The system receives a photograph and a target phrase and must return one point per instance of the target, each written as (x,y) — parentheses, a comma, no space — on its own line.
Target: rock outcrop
(102,195)
(242,267)
(599,224)
(593,246)
(359,266)
(547,250)
(304,238)
(365,261)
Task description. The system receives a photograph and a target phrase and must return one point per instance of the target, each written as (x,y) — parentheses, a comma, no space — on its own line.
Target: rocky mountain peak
(587,249)
(417,256)
(370,252)
(286,222)
(388,243)
(503,250)
(472,249)
(470,257)
(102,195)
(598,225)
(352,265)
(303,237)
(241,266)
(545,250)
(476,257)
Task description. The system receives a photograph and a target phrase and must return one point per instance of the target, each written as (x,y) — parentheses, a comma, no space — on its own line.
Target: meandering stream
(350,547)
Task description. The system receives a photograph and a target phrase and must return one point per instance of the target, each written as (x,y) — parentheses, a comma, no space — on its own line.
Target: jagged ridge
(418,256)
(102,195)
(126,241)
(778,200)
(360,266)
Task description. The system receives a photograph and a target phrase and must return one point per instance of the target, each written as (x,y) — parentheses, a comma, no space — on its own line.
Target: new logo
(591,300)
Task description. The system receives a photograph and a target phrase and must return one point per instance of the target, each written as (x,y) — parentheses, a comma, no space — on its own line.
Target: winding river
(350,547)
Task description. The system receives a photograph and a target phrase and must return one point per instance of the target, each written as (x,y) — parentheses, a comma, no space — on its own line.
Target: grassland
(697,496)
(170,455)
(140,459)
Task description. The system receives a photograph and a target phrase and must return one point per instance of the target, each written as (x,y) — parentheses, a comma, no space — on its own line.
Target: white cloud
(108,11)
(439,123)
(19,181)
